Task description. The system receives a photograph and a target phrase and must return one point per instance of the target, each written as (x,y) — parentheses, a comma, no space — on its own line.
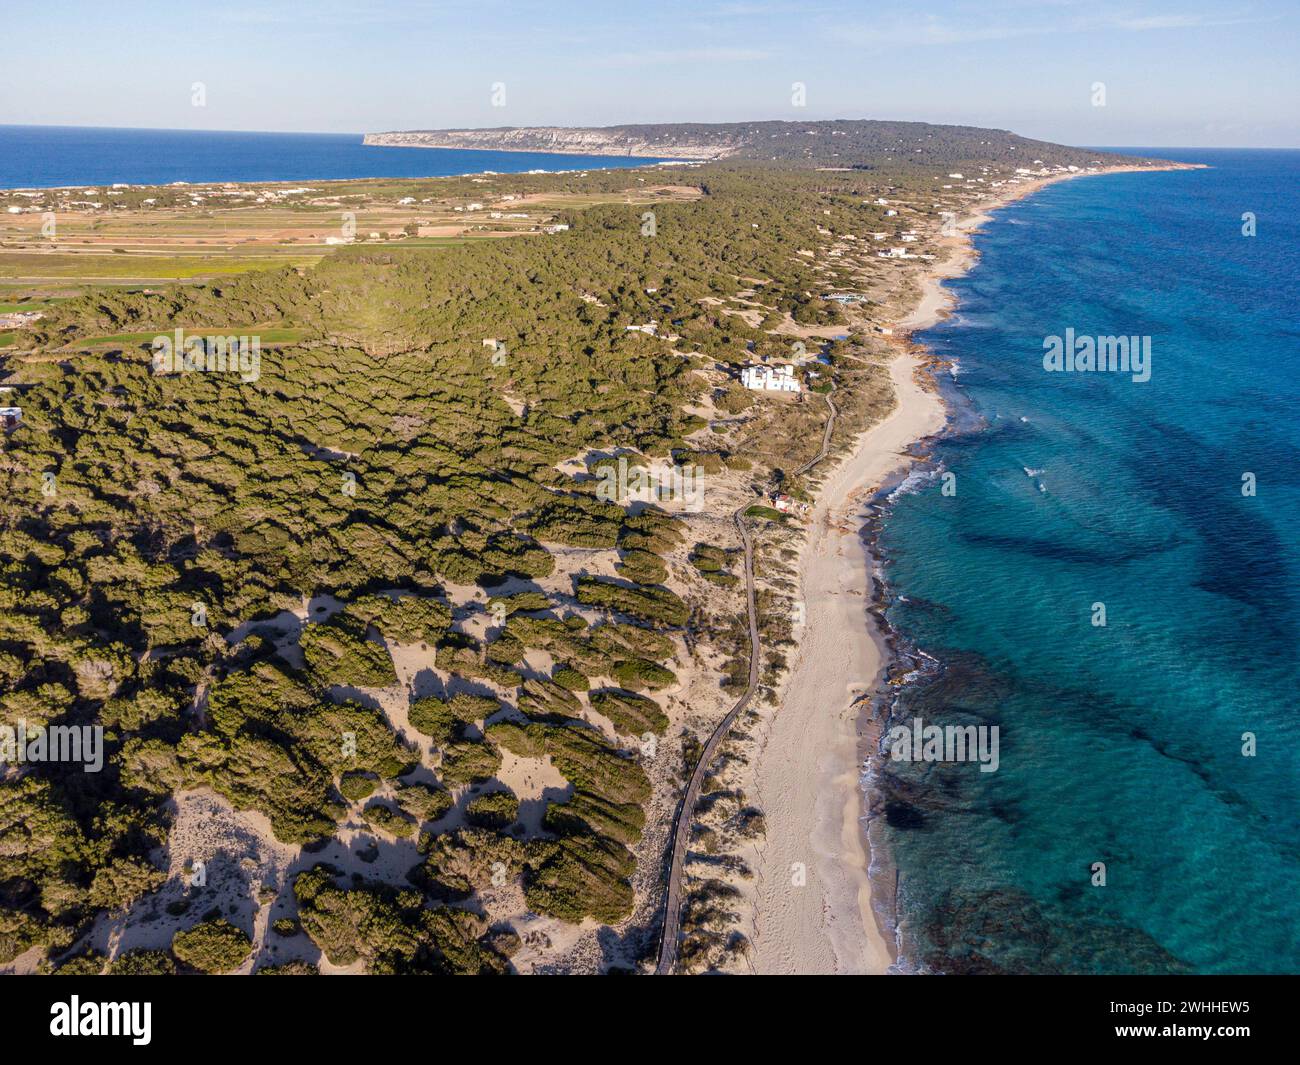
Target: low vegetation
(220,571)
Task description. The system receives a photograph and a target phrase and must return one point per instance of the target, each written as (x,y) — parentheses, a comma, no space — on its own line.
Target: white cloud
(1177,22)
(938,30)
(668,57)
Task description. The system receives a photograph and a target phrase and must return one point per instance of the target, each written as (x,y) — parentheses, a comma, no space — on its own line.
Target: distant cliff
(840,142)
(641,141)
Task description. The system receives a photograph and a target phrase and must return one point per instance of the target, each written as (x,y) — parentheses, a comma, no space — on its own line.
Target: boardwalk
(685,812)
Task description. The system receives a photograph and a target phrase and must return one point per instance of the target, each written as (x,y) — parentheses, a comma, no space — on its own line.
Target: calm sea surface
(1120,744)
(54,156)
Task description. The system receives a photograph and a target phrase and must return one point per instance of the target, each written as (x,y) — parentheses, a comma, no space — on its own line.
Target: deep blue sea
(1120,744)
(54,156)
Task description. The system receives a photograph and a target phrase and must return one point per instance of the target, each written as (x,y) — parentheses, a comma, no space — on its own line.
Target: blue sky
(1176,72)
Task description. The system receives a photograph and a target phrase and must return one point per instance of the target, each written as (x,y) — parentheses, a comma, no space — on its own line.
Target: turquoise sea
(1120,744)
(57,156)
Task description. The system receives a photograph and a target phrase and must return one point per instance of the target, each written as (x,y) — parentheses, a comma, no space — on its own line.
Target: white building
(770,379)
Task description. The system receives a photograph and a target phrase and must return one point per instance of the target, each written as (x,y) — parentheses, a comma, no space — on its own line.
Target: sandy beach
(813,908)
(813,895)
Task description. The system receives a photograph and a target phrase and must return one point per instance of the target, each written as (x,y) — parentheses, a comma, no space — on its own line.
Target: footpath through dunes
(681,838)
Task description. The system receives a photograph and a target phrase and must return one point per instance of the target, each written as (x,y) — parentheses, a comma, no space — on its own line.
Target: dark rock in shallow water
(903,816)
(1008,931)
(1006,812)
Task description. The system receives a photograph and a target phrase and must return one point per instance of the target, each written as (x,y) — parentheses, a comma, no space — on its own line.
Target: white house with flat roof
(770,379)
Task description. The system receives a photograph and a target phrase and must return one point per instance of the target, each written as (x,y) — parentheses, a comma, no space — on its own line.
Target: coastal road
(686,811)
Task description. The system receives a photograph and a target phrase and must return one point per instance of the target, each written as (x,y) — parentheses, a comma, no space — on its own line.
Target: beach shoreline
(820,905)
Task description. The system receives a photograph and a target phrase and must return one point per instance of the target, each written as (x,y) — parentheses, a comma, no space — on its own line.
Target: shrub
(648,604)
(585,812)
(630,714)
(581,876)
(637,673)
(411,619)
(434,718)
(423,802)
(142,963)
(642,567)
(289,968)
(570,678)
(544,698)
(443,719)
(497,809)
(520,602)
(387,820)
(523,741)
(337,652)
(89,964)
(465,762)
(215,946)
(355,786)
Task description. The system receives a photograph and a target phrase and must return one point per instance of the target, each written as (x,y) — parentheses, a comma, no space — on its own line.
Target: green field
(143,267)
(271,335)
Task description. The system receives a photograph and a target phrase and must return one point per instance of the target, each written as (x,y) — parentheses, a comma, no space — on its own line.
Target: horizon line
(363,133)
